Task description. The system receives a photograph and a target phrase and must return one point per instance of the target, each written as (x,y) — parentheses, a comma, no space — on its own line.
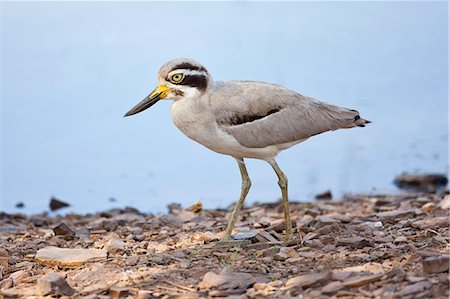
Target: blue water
(70,70)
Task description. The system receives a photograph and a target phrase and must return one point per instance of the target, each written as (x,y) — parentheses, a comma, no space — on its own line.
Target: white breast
(196,120)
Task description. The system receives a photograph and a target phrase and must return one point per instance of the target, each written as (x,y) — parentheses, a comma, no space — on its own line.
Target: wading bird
(243,119)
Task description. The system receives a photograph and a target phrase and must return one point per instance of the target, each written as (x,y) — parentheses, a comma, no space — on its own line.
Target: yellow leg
(283,183)
(246,184)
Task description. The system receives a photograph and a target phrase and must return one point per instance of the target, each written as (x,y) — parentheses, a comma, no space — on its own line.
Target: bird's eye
(176,78)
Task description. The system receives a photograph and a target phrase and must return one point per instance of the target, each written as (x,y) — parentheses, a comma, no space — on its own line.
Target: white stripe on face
(187,73)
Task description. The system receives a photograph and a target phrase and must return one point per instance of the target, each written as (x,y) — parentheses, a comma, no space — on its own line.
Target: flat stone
(433,223)
(421,182)
(227,280)
(326,220)
(332,287)
(326,195)
(396,213)
(415,288)
(206,237)
(67,257)
(353,242)
(53,284)
(244,235)
(436,264)
(308,280)
(401,239)
(360,281)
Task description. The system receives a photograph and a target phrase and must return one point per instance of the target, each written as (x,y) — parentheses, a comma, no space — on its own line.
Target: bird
(243,119)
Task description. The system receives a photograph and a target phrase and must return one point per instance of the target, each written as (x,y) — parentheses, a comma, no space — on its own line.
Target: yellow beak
(159,93)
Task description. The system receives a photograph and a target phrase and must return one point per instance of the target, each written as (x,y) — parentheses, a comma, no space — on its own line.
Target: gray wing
(259,114)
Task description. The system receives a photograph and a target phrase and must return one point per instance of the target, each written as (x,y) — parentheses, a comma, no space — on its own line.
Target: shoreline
(361,246)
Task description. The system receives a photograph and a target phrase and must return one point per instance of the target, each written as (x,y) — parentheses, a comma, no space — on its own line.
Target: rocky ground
(376,246)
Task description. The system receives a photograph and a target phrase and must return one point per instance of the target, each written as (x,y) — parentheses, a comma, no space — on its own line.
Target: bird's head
(177,79)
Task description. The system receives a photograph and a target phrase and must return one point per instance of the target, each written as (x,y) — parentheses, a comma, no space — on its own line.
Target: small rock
(63,230)
(396,213)
(67,257)
(244,235)
(18,276)
(414,288)
(56,204)
(206,237)
(436,264)
(6,283)
(445,203)
(132,260)
(432,223)
(186,216)
(353,242)
(326,220)
(4,257)
(170,220)
(324,195)
(428,207)
(118,292)
(20,205)
(227,280)
(332,287)
(308,280)
(156,247)
(401,239)
(144,294)
(360,281)
(421,183)
(53,284)
(114,246)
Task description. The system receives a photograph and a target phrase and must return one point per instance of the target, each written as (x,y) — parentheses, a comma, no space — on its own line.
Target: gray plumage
(285,116)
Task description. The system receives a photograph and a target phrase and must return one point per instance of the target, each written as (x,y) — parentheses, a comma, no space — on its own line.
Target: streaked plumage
(243,119)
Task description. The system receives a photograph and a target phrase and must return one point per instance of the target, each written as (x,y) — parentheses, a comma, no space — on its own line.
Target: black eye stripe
(199,81)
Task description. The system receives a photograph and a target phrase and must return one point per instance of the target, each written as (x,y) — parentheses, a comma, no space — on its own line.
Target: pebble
(353,242)
(63,230)
(53,284)
(428,207)
(436,264)
(56,204)
(244,235)
(4,257)
(114,246)
(414,288)
(227,280)
(360,281)
(332,287)
(308,280)
(401,239)
(118,292)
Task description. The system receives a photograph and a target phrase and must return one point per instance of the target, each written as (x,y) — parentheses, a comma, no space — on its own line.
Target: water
(71,70)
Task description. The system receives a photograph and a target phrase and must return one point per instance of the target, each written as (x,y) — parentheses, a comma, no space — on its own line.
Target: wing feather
(259,114)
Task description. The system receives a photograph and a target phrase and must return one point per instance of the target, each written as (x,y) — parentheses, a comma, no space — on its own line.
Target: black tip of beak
(146,103)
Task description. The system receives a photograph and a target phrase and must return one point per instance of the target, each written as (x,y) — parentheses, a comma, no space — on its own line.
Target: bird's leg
(246,184)
(283,183)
